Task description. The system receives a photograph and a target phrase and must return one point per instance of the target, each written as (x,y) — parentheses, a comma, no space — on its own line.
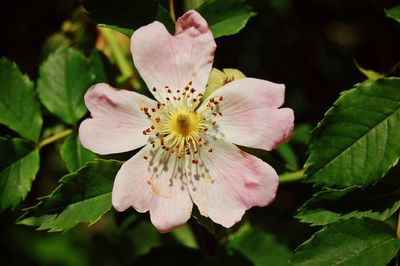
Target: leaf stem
(172,10)
(119,56)
(292,177)
(54,138)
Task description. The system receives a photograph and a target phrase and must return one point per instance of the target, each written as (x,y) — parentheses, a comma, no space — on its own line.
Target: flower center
(184,123)
(179,123)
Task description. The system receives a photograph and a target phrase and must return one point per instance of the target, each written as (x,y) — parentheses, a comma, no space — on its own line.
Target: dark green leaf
(19,164)
(350,242)
(19,107)
(226,17)
(259,247)
(126,16)
(84,196)
(301,134)
(64,79)
(394,13)
(378,202)
(74,154)
(357,142)
(100,67)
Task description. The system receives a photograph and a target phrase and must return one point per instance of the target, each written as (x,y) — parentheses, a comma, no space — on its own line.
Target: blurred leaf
(100,67)
(357,142)
(226,17)
(370,74)
(74,154)
(126,16)
(259,247)
(19,107)
(19,164)
(184,235)
(145,237)
(287,153)
(394,13)
(378,202)
(57,250)
(84,196)
(64,78)
(301,134)
(350,242)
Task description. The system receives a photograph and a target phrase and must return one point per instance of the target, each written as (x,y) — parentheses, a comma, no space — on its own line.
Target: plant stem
(172,10)
(119,56)
(398,227)
(292,177)
(54,138)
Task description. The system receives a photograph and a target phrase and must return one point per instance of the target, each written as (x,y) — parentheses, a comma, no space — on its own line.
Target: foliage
(349,202)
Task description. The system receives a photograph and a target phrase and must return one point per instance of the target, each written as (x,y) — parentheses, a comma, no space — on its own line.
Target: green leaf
(288,155)
(226,17)
(378,202)
(100,67)
(368,73)
(19,164)
(64,79)
(126,16)
(350,242)
(357,142)
(259,247)
(394,13)
(19,107)
(74,154)
(84,196)
(301,134)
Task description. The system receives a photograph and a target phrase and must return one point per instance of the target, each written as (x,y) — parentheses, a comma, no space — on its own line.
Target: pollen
(184,123)
(180,120)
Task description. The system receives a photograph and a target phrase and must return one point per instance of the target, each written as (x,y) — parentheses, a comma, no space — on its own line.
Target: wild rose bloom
(188,155)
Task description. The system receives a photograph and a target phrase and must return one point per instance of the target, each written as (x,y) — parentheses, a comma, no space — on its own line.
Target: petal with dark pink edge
(166,60)
(251,115)
(230,181)
(149,181)
(117,122)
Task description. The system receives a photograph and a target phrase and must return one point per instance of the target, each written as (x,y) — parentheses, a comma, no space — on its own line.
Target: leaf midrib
(357,140)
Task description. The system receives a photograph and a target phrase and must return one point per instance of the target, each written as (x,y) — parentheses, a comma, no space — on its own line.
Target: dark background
(308,45)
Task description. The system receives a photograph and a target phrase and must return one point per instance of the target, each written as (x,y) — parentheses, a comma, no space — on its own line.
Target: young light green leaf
(259,247)
(357,142)
(74,154)
(64,79)
(19,164)
(126,16)
(225,17)
(368,73)
(350,242)
(378,202)
(19,107)
(394,13)
(83,196)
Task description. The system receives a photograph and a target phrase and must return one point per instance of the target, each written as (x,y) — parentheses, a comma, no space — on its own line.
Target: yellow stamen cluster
(178,124)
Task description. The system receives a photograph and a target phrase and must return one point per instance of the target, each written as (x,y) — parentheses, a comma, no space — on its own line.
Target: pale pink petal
(149,181)
(230,182)
(117,122)
(251,115)
(166,60)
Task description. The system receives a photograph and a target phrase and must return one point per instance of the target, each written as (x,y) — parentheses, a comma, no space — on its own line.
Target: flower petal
(117,122)
(149,182)
(250,114)
(233,182)
(166,60)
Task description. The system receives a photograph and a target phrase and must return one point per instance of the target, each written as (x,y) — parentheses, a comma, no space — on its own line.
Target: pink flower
(188,155)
